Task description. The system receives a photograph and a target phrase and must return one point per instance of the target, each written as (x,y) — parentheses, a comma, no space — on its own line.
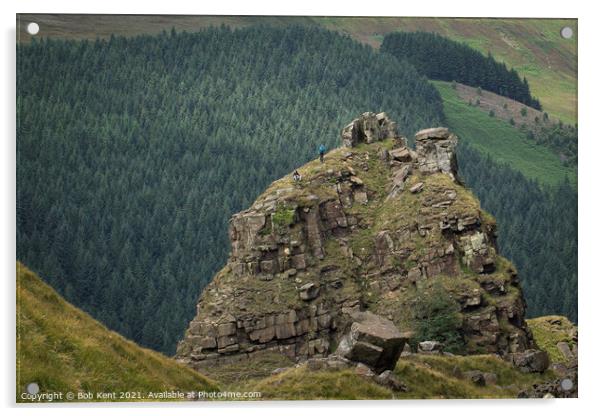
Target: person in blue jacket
(322,150)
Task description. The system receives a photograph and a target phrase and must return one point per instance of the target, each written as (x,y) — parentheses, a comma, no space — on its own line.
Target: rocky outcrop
(370,229)
(436,150)
(369,128)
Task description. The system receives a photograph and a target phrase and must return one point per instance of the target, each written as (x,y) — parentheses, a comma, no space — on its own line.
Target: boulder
(372,340)
(363,370)
(332,362)
(401,154)
(530,361)
(565,350)
(490,378)
(279,370)
(430,347)
(417,188)
(309,291)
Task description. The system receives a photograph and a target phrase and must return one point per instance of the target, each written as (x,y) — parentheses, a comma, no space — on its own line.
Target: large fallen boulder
(530,361)
(372,340)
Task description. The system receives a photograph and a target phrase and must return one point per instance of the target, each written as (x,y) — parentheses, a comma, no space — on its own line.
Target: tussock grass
(549,331)
(63,349)
(426,376)
(303,384)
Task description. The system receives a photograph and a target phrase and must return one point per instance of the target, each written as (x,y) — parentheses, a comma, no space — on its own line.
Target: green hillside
(504,143)
(548,331)
(532,46)
(63,349)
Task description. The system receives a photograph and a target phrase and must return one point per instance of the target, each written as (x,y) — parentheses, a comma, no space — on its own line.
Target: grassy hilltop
(63,349)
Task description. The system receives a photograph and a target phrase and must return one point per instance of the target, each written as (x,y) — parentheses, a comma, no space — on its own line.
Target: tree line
(441,58)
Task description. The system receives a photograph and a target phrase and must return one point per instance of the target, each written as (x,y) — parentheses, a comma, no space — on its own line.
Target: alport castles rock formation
(339,262)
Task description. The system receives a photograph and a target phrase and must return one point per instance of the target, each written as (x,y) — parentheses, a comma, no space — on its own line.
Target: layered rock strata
(373,228)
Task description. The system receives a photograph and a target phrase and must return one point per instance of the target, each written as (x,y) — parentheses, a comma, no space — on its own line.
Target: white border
(589,184)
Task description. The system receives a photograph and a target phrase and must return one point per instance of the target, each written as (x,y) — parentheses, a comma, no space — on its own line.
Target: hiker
(322,150)
(296,176)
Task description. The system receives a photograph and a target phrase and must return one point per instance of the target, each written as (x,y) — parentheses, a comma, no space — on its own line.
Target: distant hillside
(440,58)
(63,349)
(532,46)
(504,143)
(537,126)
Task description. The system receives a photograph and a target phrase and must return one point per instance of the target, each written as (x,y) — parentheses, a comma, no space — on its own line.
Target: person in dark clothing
(296,176)
(322,150)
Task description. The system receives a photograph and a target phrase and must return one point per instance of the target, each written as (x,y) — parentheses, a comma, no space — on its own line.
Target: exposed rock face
(372,340)
(436,149)
(369,128)
(351,235)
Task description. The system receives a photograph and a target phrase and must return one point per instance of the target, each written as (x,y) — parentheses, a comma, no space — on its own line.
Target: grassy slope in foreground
(426,376)
(504,143)
(63,349)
